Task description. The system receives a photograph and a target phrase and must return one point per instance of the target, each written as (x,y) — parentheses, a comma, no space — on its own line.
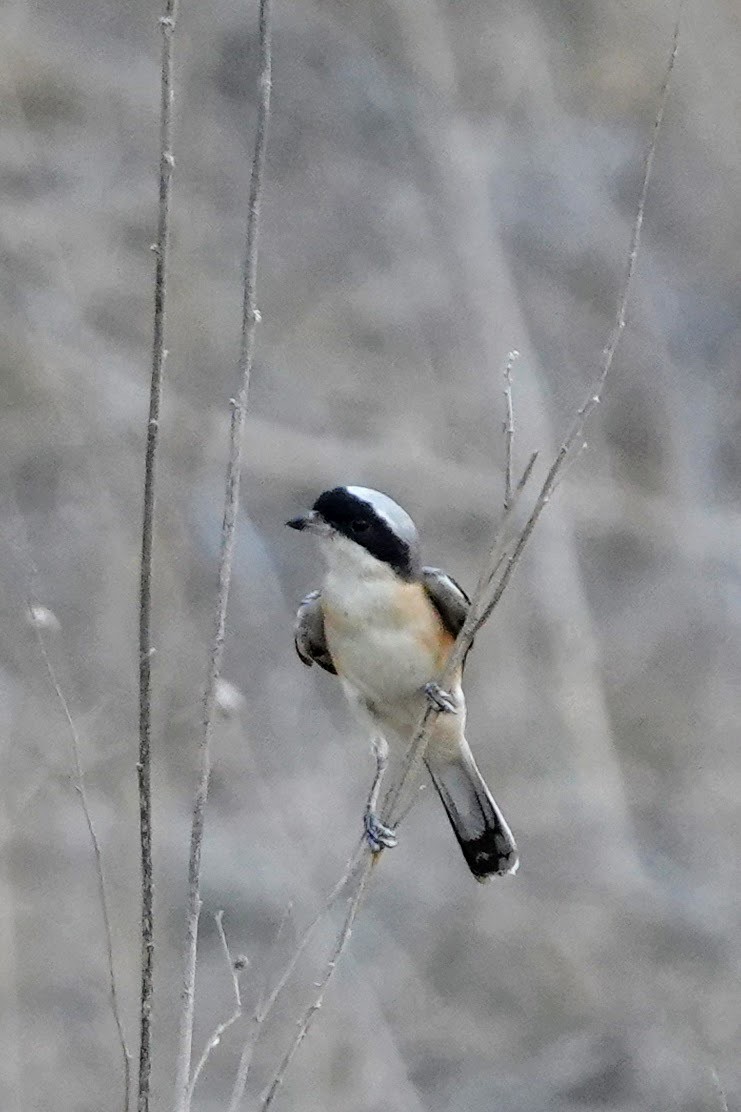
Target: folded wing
(308,632)
(448,597)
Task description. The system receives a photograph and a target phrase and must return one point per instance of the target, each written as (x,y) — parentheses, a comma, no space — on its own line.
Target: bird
(384,624)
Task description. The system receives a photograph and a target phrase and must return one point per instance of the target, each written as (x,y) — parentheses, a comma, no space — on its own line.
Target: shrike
(385,625)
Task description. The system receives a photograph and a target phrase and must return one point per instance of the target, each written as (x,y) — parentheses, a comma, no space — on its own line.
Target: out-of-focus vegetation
(446,182)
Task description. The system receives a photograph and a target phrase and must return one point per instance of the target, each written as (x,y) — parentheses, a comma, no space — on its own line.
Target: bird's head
(365,528)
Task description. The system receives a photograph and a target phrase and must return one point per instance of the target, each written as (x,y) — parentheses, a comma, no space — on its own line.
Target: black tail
(479,825)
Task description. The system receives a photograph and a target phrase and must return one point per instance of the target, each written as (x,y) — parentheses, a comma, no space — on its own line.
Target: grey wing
(308,632)
(448,597)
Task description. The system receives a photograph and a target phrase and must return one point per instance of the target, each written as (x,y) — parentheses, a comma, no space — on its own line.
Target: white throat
(348,561)
(359,588)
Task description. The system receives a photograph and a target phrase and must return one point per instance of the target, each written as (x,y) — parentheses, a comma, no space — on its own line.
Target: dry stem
(92,834)
(268,998)
(481,609)
(494,578)
(592,400)
(146,648)
(215,1038)
(305,1022)
(250,318)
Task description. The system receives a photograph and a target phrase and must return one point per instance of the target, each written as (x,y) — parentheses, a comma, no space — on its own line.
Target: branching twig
(146,648)
(478,614)
(215,1038)
(250,318)
(268,1001)
(503,538)
(362,851)
(269,997)
(592,400)
(496,573)
(92,834)
(305,1022)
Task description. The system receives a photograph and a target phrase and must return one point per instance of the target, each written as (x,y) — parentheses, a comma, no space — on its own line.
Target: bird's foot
(379,837)
(441,700)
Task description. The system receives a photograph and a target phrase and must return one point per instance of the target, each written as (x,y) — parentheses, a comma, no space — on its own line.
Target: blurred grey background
(446,182)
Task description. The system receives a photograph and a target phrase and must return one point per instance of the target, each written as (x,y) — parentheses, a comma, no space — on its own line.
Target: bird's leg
(442,700)
(379,836)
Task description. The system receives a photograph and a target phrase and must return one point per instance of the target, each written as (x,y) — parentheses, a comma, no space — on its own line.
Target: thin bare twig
(509,427)
(568,467)
(477,616)
(215,1038)
(266,1005)
(503,538)
(362,853)
(267,998)
(497,570)
(308,1017)
(146,648)
(97,855)
(250,318)
(592,400)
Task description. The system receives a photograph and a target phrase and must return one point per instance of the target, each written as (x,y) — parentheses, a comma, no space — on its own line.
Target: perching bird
(385,625)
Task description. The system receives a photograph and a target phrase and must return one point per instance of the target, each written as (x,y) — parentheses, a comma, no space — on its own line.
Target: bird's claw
(379,836)
(441,700)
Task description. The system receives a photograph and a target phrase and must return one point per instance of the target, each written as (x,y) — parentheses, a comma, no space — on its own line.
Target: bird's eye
(359,526)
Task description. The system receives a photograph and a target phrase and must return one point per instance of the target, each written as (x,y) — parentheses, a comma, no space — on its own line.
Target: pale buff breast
(385,636)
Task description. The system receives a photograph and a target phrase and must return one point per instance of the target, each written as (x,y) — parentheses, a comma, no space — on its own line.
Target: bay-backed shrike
(385,625)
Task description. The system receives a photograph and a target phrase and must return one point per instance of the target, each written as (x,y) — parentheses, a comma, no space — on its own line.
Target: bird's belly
(386,639)
(382,664)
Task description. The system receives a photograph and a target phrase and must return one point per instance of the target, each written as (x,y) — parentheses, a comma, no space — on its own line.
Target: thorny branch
(146,647)
(250,318)
(497,572)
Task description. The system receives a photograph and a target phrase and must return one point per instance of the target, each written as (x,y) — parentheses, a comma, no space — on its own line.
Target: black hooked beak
(311,521)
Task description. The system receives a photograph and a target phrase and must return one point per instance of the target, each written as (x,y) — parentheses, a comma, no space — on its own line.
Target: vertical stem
(250,319)
(146,649)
